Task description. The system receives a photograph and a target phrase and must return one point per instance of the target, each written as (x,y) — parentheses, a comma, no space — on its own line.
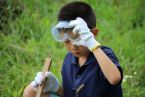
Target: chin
(77,55)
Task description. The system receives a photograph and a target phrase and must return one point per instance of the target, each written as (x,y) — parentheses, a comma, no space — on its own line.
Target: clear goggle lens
(63,34)
(68,32)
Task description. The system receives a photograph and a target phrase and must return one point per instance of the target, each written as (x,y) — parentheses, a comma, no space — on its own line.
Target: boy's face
(62,33)
(78,51)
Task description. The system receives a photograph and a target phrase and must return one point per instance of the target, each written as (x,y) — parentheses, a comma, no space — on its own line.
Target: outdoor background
(25,41)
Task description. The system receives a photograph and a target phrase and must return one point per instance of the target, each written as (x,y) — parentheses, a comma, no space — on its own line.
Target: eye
(67,41)
(73,36)
(61,32)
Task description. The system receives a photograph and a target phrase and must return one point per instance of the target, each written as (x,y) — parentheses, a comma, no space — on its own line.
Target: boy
(89,69)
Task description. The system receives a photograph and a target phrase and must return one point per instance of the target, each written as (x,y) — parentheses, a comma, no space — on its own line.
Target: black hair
(76,9)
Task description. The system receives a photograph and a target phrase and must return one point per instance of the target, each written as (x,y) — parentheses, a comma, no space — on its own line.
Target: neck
(82,60)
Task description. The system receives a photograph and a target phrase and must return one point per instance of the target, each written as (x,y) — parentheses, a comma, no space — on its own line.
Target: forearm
(29,92)
(109,69)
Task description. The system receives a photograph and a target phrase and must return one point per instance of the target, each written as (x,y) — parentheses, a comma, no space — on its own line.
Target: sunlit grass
(29,41)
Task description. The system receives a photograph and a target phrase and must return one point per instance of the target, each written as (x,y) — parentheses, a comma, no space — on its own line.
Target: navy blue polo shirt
(88,80)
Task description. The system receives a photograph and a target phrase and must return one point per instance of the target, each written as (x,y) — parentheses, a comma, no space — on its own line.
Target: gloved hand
(52,83)
(86,37)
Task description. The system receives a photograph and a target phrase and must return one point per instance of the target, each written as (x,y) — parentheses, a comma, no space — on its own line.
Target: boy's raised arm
(109,69)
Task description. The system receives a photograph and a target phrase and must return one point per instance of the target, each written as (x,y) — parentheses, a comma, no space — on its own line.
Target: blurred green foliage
(25,41)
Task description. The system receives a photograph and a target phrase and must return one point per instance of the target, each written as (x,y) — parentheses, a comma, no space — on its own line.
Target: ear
(95,31)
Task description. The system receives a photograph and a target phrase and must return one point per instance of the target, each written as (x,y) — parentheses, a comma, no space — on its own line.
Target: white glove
(86,37)
(52,83)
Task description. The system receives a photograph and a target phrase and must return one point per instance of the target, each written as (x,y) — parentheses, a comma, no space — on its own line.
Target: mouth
(76,53)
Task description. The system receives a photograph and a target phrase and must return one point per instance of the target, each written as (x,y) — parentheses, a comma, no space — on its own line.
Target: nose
(74,47)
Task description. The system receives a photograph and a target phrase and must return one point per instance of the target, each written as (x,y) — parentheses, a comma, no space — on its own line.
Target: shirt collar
(91,58)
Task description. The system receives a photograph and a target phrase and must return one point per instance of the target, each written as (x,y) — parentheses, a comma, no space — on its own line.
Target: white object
(52,83)
(62,32)
(86,37)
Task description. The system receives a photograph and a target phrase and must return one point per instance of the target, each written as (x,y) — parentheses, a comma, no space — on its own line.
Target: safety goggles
(62,32)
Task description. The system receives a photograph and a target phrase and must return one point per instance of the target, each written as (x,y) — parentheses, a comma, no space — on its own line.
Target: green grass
(29,41)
